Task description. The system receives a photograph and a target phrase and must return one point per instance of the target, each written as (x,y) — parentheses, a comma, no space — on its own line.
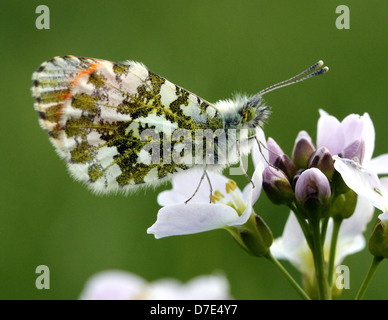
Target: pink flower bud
(303,148)
(323,160)
(276,186)
(313,194)
(275,150)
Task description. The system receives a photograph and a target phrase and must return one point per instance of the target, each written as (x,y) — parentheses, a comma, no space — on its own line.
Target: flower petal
(369,137)
(357,223)
(348,246)
(352,126)
(329,133)
(180,219)
(361,181)
(384,189)
(257,180)
(384,218)
(200,288)
(292,245)
(379,165)
(257,156)
(251,195)
(357,127)
(350,238)
(185,183)
(113,285)
(384,186)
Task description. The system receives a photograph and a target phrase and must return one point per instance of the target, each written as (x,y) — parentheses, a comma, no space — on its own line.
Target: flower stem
(375,263)
(324,229)
(303,224)
(333,247)
(288,277)
(323,286)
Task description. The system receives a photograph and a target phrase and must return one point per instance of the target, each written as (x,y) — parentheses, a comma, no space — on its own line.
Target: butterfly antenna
(314,70)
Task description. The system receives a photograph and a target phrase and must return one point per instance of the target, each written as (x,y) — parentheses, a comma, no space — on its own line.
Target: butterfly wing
(96,110)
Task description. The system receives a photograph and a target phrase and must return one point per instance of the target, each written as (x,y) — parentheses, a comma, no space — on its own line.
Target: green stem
(288,277)
(323,286)
(324,229)
(372,270)
(303,224)
(333,247)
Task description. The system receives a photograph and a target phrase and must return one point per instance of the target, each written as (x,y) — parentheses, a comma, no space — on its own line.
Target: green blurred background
(212,48)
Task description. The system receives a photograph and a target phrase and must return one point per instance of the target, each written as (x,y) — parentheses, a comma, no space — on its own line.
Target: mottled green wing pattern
(95,111)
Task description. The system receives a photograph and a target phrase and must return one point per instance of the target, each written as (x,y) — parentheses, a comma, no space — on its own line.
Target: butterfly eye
(248,114)
(245,115)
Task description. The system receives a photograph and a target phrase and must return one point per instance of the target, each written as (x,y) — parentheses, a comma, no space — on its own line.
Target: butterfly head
(243,112)
(254,112)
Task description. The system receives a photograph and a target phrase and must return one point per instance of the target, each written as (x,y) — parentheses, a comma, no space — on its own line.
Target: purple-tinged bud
(285,164)
(274,150)
(313,194)
(355,151)
(296,177)
(323,160)
(277,186)
(303,148)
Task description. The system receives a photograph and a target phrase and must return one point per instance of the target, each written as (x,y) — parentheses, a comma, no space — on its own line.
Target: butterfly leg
(259,144)
(210,186)
(199,184)
(242,166)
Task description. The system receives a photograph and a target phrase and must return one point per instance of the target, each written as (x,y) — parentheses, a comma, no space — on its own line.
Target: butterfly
(119,126)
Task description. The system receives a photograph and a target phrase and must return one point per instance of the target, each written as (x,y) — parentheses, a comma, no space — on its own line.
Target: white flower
(230,207)
(113,285)
(121,285)
(342,137)
(293,247)
(337,136)
(361,175)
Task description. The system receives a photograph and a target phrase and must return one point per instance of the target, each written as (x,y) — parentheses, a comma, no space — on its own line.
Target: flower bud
(296,177)
(313,194)
(277,186)
(303,148)
(344,205)
(338,183)
(378,242)
(275,150)
(285,164)
(257,237)
(322,160)
(355,151)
